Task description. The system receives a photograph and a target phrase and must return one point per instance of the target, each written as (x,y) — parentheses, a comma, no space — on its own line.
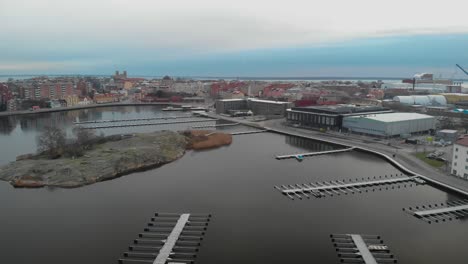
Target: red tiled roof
(463,140)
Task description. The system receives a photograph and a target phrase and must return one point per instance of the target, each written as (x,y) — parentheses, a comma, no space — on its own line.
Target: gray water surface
(252,222)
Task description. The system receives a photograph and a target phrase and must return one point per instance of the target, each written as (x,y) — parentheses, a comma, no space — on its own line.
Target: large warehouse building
(329,116)
(391,124)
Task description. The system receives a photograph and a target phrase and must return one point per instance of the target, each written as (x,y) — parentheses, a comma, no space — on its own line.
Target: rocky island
(111,157)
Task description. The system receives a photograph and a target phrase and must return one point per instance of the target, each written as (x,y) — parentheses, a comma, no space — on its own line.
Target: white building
(391,124)
(460,158)
(426,100)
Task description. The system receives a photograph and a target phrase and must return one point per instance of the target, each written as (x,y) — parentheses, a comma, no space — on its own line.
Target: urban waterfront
(251,221)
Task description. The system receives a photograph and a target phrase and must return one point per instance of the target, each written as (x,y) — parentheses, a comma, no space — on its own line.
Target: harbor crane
(461,68)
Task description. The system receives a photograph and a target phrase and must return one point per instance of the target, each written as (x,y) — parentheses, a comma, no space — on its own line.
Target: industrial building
(225,105)
(447,135)
(330,116)
(425,100)
(267,107)
(460,157)
(453,98)
(258,107)
(390,124)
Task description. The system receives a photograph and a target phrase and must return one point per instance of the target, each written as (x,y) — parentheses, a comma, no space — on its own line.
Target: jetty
(150,124)
(321,189)
(440,212)
(366,249)
(249,132)
(131,120)
(168,238)
(218,125)
(309,154)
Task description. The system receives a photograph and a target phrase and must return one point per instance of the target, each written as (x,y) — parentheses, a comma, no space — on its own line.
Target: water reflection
(7,125)
(67,118)
(18,133)
(235,184)
(309,144)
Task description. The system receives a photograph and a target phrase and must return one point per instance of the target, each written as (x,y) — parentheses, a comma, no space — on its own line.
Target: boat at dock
(299,157)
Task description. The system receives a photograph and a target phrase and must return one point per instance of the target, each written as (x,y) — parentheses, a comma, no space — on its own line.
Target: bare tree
(84,137)
(51,140)
(84,140)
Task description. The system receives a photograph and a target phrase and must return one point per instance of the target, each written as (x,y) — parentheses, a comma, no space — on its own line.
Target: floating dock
(249,132)
(168,238)
(218,125)
(366,249)
(130,120)
(440,212)
(338,187)
(150,124)
(291,156)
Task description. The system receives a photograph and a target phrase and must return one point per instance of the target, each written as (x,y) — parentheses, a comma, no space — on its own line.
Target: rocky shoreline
(109,160)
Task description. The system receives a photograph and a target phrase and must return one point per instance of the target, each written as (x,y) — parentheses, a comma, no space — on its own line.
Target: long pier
(249,132)
(290,156)
(218,125)
(150,124)
(169,238)
(366,249)
(321,189)
(440,212)
(130,120)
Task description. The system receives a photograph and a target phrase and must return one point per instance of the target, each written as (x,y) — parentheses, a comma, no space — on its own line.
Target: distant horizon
(338,78)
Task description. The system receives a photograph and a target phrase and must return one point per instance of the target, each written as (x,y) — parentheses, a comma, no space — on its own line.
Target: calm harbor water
(251,223)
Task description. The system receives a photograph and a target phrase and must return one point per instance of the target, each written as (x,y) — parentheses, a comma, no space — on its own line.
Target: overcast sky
(233,38)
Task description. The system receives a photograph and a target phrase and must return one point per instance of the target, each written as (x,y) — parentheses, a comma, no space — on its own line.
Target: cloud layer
(113,33)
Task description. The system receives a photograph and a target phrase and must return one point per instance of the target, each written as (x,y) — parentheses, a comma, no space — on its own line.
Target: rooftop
(341,108)
(267,101)
(395,117)
(463,140)
(229,100)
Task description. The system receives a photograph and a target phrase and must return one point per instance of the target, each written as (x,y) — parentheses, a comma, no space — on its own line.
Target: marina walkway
(320,189)
(150,124)
(440,212)
(218,125)
(249,132)
(169,238)
(130,120)
(313,153)
(365,249)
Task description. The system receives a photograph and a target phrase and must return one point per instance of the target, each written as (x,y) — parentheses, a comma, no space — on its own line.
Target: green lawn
(433,163)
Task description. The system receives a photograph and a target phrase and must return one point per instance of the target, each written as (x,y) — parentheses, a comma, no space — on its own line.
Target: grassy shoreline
(432,162)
